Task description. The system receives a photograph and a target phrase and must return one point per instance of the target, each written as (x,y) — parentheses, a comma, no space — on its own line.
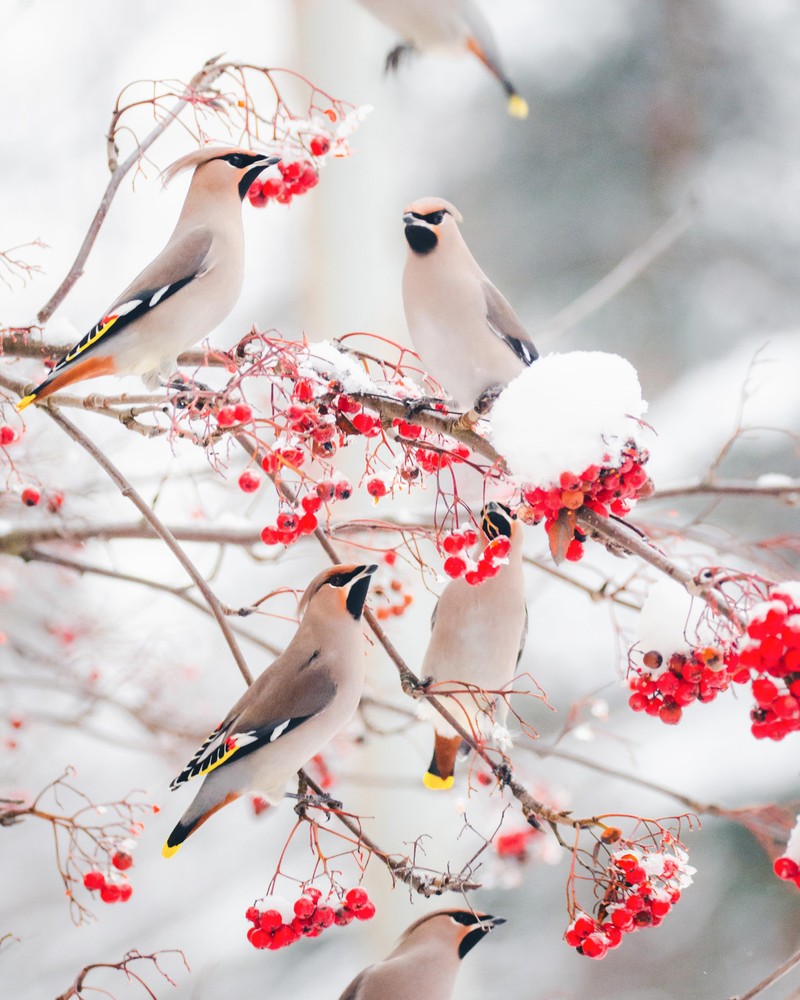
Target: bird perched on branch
(465,332)
(184,293)
(477,637)
(427,958)
(450,27)
(292,710)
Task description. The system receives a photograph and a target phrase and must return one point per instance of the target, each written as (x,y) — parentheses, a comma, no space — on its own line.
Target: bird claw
(413,407)
(504,774)
(416,688)
(189,394)
(400,52)
(484,403)
(321,801)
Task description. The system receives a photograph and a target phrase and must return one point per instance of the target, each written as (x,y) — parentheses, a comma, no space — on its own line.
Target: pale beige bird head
(431,223)
(456,932)
(220,170)
(337,592)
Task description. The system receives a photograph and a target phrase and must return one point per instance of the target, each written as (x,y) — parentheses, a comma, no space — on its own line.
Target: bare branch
(772,978)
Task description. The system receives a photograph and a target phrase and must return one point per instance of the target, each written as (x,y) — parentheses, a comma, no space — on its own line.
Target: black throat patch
(421,239)
(357,596)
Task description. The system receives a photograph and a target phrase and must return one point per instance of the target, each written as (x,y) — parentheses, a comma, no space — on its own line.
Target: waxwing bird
(292,710)
(427,958)
(465,332)
(477,638)
(184,293)
(449,27)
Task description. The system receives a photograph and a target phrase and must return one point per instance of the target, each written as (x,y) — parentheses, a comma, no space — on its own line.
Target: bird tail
(439,775)
(88,368)
(517,105)
(194,817)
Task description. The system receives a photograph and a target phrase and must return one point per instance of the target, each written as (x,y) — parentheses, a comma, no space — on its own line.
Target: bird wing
(180,262)
(523,638)
(504,323)
(267,711)
(353,991)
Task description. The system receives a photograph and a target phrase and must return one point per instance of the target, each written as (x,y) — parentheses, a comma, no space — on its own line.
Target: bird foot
(484,403)
(306,801)
(189,394)
(416,688)
(504,774)
(398,54)
(416,406)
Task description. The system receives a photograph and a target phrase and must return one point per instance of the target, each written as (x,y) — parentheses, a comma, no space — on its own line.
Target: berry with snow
(249,482)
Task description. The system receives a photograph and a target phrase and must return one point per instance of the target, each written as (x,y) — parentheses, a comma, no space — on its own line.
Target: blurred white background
(637,106)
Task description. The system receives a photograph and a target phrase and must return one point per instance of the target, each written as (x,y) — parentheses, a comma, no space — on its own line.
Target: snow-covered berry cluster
(297,177)
(611,487)
(474,571)
(771,652)
(697,675)
(273,928)
(640,888)
(113,888)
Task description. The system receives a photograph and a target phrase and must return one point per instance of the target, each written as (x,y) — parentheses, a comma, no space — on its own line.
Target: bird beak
(267,161)
(493,921)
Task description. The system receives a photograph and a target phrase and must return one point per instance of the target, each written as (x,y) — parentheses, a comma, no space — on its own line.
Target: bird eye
(237,160)
(467,919)
(434,218)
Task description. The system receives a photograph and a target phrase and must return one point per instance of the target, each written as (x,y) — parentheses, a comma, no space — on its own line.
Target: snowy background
(636,108)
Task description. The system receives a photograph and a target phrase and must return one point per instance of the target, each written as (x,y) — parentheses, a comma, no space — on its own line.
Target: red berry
(242,413)
(55,501)
(660,907)
(594,946)
(453,543)
(307,524)
(454,566)
(622,919)
(574,553)
(377,488)
(366,424)
(122,861)
(311,504)
(269,920)
(324,916)
(367,912)
(110,892)
(325,490)
(252,914)
(226,417)
(670,713)
(7,435)
(258,938)
(269,536)
(31,496)
(472,577)
(304,907)
(344,916)
(249,481)
(287,521)
(784,868)
(94,880)
(319,145)
(343,489)
(498,549)
(470,537)
(356,898)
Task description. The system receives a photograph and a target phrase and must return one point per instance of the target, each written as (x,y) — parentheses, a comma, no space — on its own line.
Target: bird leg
(415,406)
(416,688)
(399,53)
(484,403)
(189,393)
(304,801)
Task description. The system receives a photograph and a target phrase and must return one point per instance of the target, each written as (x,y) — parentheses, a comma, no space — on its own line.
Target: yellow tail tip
(435,783)
(517,106)
(167,851)
(25,401)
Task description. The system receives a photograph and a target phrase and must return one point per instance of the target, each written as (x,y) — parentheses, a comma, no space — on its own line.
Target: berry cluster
(788,870)
(227,416)
(111,889)
(474,571)
(310,919)
(698,675)
(772,652)
(296,178)
(404,598)
(606,489)
(515,843)
(641,887)
(289,526)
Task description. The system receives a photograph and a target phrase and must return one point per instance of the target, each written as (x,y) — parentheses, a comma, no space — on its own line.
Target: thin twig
(628,269)
(200,81)
(788,490)
(772,978)
(161,529)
